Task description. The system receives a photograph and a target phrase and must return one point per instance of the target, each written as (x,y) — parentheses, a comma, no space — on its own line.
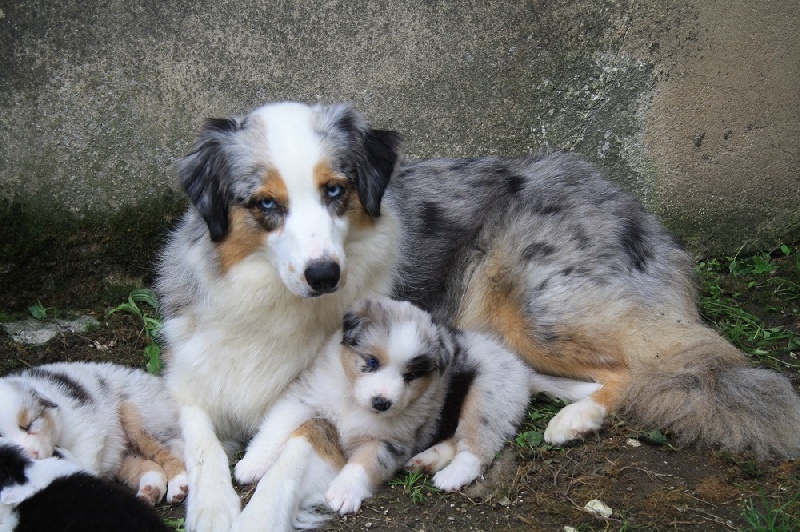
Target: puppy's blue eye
(372,363)
(334,191)
(267,204)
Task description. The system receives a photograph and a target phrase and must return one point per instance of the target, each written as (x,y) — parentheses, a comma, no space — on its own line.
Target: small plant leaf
(38,311)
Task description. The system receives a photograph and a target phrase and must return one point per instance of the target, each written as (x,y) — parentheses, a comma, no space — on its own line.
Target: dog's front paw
(350,487)
(432,459)
(464,468)
(177,488)
(152,486)
(574,420)
(212,509)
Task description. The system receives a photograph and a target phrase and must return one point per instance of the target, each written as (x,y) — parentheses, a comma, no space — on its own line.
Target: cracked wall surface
(692,105)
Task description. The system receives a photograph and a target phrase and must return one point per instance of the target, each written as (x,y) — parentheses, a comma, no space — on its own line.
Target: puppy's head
(393,354)
(285,184)
(26,419)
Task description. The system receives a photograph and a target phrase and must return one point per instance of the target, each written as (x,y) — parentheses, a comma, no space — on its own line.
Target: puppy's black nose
(322,275)
(381,404)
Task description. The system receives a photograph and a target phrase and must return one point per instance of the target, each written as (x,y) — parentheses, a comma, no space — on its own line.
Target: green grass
(151,324)
(763,515)
(415,485)
(734,289)
(540,411)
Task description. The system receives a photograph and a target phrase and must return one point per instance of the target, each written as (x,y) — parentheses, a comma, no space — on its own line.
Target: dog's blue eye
(334,191)
(267,204)
(372,363)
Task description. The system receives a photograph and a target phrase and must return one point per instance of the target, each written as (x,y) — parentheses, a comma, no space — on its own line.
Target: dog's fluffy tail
(705,393)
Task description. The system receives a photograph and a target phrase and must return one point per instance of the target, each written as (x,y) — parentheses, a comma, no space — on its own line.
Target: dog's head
(26,419)
(287,183)
(392,353)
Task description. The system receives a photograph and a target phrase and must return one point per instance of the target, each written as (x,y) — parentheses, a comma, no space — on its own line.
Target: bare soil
(648,486)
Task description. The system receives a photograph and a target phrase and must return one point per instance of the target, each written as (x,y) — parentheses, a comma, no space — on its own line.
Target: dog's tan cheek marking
(491,302)
(355,212)
(322,436)
(244,237)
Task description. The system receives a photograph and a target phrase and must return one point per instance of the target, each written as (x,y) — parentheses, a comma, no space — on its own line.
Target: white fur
(574,420)
(302,476)
(234,350)
(39,473)
(349,489)
(90,432)
(433,458)
(464,468)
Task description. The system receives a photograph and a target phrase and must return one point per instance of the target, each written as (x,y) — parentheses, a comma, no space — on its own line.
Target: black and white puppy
(57,495)
(394,382)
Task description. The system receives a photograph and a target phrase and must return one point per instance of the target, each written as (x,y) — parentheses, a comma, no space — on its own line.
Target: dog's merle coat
(543,252)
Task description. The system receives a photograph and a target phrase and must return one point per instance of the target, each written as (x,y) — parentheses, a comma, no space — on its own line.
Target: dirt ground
(646,482)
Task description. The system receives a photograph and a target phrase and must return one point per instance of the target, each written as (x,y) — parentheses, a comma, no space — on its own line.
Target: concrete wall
(694,105)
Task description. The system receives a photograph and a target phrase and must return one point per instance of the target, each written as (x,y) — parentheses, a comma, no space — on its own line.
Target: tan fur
(145,444)
(274,188)
(322,435)
(245,237)
(363,454)
(133,467)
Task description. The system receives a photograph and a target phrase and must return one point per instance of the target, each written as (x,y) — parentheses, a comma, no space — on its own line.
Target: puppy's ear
(357,317)
(375,167)
(44,401)
(204,174)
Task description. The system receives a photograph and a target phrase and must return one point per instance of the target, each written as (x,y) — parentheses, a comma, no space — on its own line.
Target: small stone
(598,507)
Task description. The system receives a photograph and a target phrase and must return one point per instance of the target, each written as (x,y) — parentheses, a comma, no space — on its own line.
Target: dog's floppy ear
(375,167)
(204,174)
(373,154)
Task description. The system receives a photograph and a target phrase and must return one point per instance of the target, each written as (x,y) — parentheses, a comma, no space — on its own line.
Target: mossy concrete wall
(694,105)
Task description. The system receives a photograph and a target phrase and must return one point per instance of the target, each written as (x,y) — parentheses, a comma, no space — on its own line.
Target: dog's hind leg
(152,449)
(145,476)
(286,496)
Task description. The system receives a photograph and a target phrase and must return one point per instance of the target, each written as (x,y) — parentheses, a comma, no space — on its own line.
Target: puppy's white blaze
(403,342)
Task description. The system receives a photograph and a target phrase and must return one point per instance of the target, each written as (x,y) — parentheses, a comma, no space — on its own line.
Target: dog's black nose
(322,275)
(381,404)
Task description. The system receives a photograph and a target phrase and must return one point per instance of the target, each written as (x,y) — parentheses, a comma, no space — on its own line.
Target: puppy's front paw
(152,486)
(350,487)
(464,468)
(574,420)
(251,468)
(432,459)
(177,488)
